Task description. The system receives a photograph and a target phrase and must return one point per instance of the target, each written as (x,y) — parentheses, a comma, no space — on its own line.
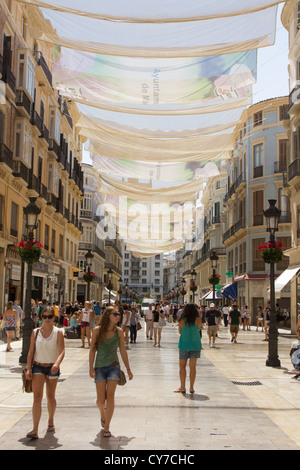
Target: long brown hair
(104,322)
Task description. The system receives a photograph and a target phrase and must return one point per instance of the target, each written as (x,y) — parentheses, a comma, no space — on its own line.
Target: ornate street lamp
(109,272)
(193,289)
(183,281)
(88,262)
(272,215)
(32,212)
(214,264)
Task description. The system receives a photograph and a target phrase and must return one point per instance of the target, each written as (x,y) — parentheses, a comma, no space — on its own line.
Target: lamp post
(109,272)
(214,264)
(31,211)
(183,281)
(272,215)
(193,274)
(88,261)
(120,287)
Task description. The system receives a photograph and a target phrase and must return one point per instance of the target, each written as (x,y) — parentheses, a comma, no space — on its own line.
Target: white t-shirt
(46,349)
(225,310)
(148,314)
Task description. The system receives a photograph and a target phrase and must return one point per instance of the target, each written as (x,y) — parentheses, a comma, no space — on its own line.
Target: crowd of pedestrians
(107,328)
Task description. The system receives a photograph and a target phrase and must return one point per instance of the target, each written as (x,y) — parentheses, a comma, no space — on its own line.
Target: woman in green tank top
(105,369)
(189,344)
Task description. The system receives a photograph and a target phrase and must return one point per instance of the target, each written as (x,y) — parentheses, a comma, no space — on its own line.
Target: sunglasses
(44,317)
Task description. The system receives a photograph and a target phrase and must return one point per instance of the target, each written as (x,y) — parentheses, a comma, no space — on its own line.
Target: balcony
(37,121)
(294,100)
(258,171)
(258,219)
(21,171)
(8,77)
(235,186)
(54,147)
(280,167)
(44,69)
(6,155)
(23,103)
(294,169)
(239,225)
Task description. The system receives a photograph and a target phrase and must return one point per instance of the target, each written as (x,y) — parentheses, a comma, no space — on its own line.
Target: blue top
(190,339)
(97,309)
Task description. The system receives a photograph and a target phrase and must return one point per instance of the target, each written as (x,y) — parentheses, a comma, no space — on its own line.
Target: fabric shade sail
(162,86)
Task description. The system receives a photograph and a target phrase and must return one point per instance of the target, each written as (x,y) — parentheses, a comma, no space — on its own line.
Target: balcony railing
(40,60)
(294,97)
(294,169)
(258,171)
(258,219)
(23,101)
(6,155)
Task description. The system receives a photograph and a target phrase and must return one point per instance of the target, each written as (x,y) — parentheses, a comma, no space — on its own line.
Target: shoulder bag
(27,384)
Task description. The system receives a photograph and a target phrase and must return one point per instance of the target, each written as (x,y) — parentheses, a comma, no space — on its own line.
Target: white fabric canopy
(155,11)
(163,84)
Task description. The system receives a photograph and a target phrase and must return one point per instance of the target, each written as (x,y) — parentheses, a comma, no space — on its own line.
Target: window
(258,207)
(144,264)
(157,281)
(257,160)
(23,142)
(157,273)
(282,157)
(53,242)
(1,212)
(126,264)
(144,272)
(61,246)
(14,220)
(46,239)
(87,236)
(257,119)
(258,262)
(144,281)
(55,124)
(53,178)
(26,72)
(126,255)
(86,204)
(283,112)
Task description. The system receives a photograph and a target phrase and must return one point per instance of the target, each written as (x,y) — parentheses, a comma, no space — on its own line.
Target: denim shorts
(184,355)
(41,370)
(112,372)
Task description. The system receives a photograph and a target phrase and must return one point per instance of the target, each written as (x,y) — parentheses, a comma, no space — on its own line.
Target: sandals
(106,434)
(51,428)
(32,435)
(178,390)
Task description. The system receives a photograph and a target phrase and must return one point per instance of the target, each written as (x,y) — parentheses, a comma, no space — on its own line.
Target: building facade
(143,275)
(254,176)
(40,154)
(291,21)
(92,238)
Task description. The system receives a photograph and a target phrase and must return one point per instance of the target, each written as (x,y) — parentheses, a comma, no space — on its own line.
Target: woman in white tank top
(45,355)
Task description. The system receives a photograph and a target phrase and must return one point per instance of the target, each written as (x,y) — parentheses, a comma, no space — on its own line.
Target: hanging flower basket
(119,291)
(109,285)
(29,252)
(214,279)
(193,287)
(271,252)
(183,292)
(89,277)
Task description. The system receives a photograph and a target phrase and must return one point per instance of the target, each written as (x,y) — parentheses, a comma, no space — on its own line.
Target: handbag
(27,384)
(138,326)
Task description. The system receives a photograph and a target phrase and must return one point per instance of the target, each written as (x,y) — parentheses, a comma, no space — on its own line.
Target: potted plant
(183,292)
(193,287)
(29,252)
(89,277)
(271,252)
(109,285)
(214,279)
(119,291)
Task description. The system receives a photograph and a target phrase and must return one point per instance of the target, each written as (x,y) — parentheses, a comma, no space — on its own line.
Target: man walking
(213,318)
(235,319)
(148,319)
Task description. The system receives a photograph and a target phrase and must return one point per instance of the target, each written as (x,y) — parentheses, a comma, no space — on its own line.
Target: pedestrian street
(239,403)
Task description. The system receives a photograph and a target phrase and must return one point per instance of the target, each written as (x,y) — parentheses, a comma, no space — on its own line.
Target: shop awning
(285,277)
(209,295)
(230,291)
